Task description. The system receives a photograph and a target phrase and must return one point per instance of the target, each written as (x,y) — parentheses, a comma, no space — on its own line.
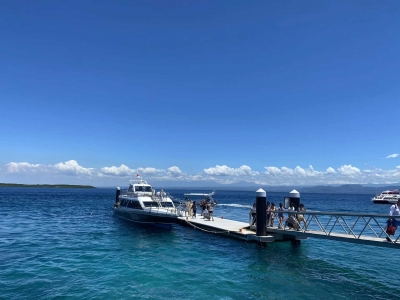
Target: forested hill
(63,186)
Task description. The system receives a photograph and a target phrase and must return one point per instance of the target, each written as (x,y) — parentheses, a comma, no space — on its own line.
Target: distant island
(61,186)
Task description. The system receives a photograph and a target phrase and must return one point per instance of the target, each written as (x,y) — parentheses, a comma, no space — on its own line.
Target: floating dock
(345,227)
(358,228)
(221,226)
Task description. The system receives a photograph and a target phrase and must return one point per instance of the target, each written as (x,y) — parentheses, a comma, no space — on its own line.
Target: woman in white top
(395,211)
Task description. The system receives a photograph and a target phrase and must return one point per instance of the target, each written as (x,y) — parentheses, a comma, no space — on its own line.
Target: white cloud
(71,172)
(227,171)
(175,171)
(122,170)
(285,171)
(149,171)
(72,167)
(24,167)
(349,170)
(272,170)
(330,170)
(392,155)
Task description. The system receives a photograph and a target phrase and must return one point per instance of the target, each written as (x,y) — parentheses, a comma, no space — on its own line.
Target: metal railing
(361,226)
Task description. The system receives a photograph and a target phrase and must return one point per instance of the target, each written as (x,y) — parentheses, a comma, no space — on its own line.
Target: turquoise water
(63,243)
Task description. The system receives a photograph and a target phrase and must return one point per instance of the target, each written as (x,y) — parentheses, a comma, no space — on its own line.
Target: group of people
(293,221)
(207,208)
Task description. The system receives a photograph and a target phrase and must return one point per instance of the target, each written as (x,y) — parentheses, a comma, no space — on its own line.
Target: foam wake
(234,205)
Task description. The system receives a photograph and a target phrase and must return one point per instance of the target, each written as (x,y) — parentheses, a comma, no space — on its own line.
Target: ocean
(66,244)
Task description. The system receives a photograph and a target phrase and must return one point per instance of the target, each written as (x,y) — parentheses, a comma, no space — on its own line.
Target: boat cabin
(395,192)
(141,187)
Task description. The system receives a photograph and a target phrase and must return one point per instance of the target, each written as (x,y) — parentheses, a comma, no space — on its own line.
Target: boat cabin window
(141,188)
(123,202)
(150,204)
(167,204)
(134,204)
(130,188)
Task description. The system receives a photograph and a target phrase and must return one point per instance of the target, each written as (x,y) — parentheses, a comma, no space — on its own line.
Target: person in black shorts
(211,210)
(194,208)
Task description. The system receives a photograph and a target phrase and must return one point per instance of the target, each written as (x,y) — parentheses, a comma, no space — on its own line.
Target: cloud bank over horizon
(71,172)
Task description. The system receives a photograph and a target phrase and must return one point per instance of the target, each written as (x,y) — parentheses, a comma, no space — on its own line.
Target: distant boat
(141,204)
(387,197)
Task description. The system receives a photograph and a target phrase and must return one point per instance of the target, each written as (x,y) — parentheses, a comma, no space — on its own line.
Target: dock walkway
(359,228)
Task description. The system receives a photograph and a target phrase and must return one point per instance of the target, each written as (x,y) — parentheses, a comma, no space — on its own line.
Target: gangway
(359,228)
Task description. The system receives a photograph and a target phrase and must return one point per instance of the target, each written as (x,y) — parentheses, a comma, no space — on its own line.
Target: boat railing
(363,226)
(160,199)
(165,210)
(126,192)
(160,209)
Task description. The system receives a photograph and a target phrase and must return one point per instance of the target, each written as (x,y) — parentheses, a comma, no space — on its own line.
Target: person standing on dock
(394,211)
(188,205)
(194,208)
(300,217)
(272,214)
(281,217)
(253,212)
(267,212)
(202,206)
(292,220)
(211,210)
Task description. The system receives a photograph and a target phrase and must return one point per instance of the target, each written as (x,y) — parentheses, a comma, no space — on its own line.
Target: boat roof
(391,192)
(139,182)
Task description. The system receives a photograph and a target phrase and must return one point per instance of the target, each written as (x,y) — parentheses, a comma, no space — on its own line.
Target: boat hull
(382,201)
(144,217)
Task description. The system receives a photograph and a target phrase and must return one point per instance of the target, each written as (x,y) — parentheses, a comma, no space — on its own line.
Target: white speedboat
(387,197)
(141,204)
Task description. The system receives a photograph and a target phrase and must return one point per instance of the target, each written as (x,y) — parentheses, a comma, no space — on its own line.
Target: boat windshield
(143,188)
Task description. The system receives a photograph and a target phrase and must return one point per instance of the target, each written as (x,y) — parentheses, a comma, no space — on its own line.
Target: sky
(224,92)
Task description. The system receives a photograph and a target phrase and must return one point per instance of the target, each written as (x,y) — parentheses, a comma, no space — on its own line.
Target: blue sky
(270,92)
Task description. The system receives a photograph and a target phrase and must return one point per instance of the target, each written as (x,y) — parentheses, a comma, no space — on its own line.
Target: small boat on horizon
(142,204)
(387,197)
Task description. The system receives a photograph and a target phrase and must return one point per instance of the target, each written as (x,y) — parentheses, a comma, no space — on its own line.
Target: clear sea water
(66,244)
